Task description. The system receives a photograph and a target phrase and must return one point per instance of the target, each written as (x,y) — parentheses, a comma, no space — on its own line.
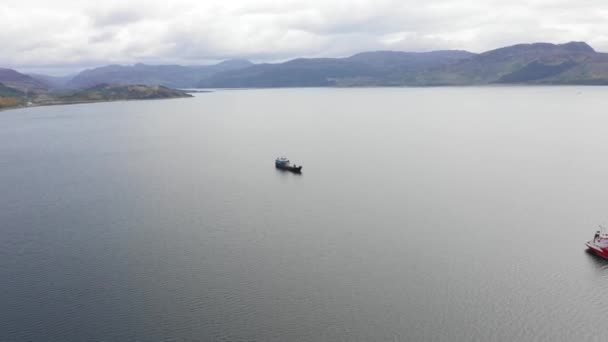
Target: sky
(62,36)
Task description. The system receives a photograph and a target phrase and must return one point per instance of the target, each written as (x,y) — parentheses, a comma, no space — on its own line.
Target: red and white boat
(599,244)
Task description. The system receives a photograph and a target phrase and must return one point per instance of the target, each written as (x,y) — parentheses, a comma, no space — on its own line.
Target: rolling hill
(107,92)
(10,97)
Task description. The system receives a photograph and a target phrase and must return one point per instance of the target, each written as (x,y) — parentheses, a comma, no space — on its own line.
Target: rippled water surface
(439,214)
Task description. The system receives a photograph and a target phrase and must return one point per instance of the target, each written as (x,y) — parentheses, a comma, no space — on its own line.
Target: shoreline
(202,91)
(88,102)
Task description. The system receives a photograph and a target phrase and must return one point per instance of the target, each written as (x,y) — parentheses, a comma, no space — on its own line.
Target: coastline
(87,102)
(196,91)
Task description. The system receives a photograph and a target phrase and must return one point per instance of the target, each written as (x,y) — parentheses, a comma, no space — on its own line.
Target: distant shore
(82,102)
(100,94)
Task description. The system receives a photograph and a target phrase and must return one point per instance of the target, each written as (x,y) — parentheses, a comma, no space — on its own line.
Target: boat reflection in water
(282,163)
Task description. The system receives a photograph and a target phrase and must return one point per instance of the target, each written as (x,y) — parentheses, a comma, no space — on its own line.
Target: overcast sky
(68,35)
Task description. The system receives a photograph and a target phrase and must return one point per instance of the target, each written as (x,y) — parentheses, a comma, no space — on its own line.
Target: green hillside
(10,97)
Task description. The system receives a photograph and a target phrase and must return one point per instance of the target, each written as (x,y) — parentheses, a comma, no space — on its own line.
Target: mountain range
(538,63)
(175,76)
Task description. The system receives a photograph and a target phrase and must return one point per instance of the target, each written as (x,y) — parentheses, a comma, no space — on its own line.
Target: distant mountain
(522,63)
(52,82)
(538,63)
(230,64)
(410,60)
(22,82)
(376,68)
(175,76)
(295,73)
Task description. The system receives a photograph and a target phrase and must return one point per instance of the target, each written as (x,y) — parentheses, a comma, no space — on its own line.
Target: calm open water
(436,214)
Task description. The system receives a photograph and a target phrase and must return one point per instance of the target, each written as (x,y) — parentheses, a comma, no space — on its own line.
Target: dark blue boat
(282,163)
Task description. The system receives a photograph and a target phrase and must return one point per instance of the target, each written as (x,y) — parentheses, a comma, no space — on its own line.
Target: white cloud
(75,34)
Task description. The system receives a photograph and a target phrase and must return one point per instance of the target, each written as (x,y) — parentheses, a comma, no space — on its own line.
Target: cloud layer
(75,34)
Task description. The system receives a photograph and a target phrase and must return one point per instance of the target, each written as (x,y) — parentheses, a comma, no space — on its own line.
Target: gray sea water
(433,214)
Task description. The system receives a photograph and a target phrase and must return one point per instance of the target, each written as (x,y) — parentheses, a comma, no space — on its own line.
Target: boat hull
(294,169)
(597,249)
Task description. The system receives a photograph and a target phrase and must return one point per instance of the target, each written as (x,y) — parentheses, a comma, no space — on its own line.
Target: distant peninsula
(10,97)
(573,63)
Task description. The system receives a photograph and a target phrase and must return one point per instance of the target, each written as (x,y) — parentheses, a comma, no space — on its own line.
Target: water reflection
(598,262)
(287,172)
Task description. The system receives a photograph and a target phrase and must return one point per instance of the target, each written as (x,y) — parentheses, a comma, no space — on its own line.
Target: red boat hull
(597,250)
